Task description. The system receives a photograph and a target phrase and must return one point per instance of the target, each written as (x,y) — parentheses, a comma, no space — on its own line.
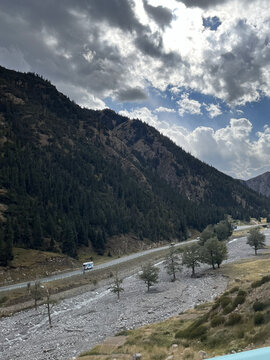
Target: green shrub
(3,299)
(258,319)
(194,330)
(233,319)
(217,320)
(258,306)
(160,356)
(234,289)
(123,332)
(228,309)
(224,301)
(192,333)
(263,280)
(241,293)
(256,284)
(215,305)
(217,339)
(240,299)
(240,333)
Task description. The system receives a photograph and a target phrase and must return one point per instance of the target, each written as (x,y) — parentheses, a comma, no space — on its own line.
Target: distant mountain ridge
(260,183)
(71,177)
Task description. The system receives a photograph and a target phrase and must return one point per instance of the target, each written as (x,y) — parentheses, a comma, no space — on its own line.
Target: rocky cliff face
(260,183)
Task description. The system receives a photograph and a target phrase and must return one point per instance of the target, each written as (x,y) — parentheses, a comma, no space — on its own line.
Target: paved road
(104,265)
(244,227)
(97,267)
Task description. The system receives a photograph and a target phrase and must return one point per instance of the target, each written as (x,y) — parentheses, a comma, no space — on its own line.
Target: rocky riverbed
(84,320)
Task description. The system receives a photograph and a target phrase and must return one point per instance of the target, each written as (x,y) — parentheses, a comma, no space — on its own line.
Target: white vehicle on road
(88,266)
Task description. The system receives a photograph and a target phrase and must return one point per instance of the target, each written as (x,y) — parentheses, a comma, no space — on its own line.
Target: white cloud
(81,96)
(188,106)
(213,110)
(231,149)
(143,114)
(164,109)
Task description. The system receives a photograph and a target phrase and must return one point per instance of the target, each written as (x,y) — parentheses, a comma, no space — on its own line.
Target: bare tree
(191,257)
(49,304)
(116,288)
(172,262)
(35,291)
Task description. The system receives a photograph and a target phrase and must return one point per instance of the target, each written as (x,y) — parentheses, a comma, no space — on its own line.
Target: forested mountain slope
(71,176)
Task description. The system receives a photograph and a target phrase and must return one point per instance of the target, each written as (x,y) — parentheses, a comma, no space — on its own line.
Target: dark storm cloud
(162,15)
(64,41)
(238,73)
(131,94)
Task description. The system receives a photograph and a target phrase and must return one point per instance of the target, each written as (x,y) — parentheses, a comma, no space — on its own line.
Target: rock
(202,354)
(174,346)
(169,357)
(136,356)
(187,353)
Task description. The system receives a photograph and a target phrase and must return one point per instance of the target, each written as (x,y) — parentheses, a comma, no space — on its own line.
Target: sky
(197,70)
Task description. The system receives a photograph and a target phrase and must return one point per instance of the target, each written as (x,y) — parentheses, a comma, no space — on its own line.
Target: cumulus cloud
(213,110)
(164,109)
(231,149)
(143,114)
(189,106)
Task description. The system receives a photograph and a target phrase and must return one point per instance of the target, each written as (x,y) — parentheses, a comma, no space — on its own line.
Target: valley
(82,321)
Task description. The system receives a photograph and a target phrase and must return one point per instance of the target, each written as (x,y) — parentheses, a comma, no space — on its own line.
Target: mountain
(260,183)
(70,177)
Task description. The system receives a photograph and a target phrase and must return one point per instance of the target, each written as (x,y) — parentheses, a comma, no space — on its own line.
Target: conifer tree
(149,275)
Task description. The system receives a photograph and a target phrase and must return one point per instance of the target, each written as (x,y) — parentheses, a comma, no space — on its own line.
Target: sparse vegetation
(116,287)
(172,262)
(217,320)
(256,239)
(240,299)
(149,274)
(233,319)
(191,257)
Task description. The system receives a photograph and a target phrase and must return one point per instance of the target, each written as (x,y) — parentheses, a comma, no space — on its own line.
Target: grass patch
(3,299)
(217,320)
(233,319)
